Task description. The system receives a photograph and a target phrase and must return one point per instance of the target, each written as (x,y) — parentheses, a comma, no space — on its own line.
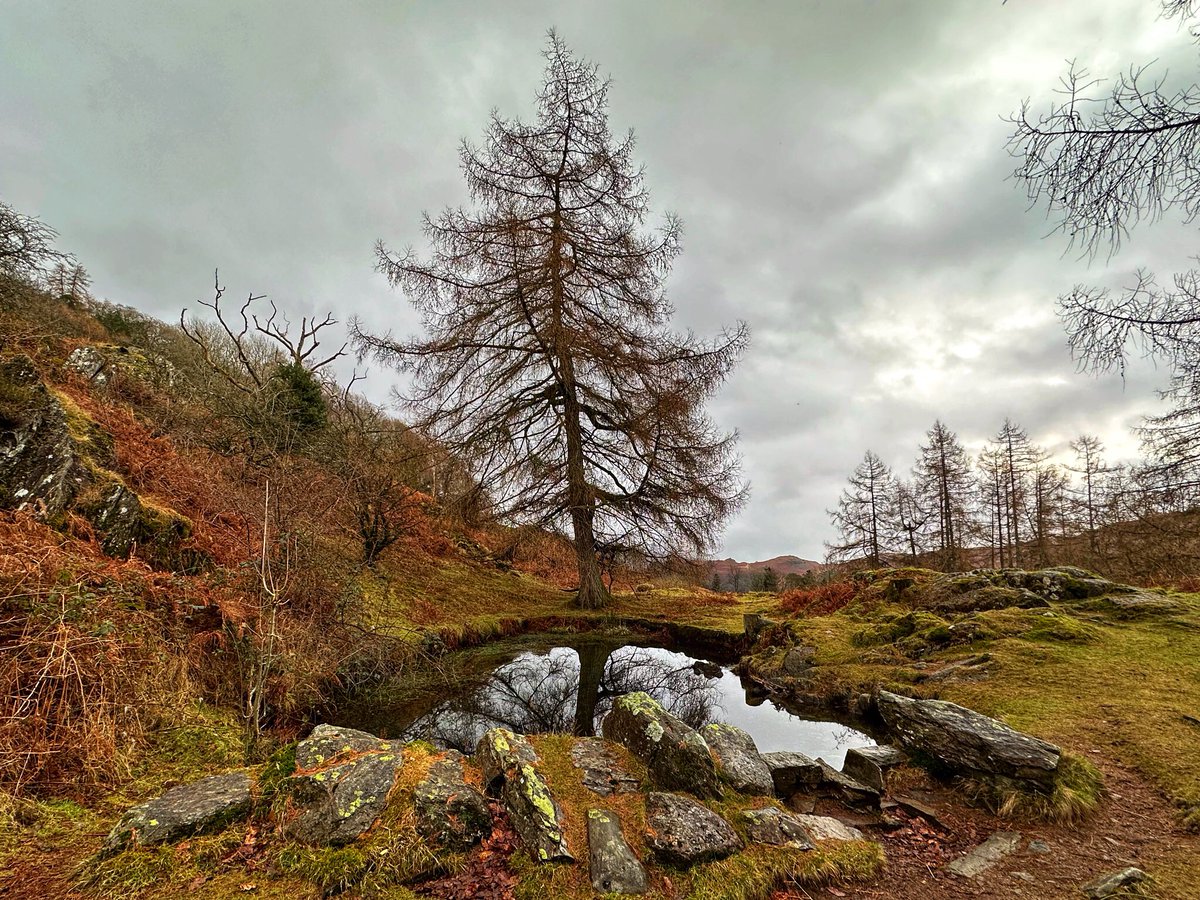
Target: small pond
(545,688)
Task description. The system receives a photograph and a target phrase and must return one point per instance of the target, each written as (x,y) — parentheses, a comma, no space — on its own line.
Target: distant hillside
(740,576)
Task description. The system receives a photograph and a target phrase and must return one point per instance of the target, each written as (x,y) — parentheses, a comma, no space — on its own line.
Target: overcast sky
(839,167)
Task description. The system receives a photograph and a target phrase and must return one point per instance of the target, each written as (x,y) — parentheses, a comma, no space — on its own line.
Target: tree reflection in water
(569,690)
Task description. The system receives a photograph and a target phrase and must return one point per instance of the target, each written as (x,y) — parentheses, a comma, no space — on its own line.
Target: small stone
(869,765)
(792,772)
(183,811)
(613,866)
(826,828)
(683,832)
(986,855)
(738,760)
(776,828)
(1039,847)
(603,771)
(1113,883)
(1023,876)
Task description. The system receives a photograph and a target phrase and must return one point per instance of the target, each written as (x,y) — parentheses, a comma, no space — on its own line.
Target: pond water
(569,689)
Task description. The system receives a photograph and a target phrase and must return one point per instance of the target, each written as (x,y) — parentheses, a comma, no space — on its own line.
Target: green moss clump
(757,872)
(332,869)
(127,874)
(1076,793)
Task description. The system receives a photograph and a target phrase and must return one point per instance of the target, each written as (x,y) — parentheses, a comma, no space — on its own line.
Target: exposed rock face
(39,462)
(777,828)
(603,771)
(508,762)
(613,866)
(101,363)
(125,522)
(737,758)
(824,828)
(341,784)
(450,811)
(183,811)
(869,765)
(683,832)
(995,848)
(1114,883)
(675,755)
(965,741)
(792,772)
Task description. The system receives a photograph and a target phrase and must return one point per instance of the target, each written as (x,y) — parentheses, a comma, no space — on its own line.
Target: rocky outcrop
(341,784)
(776,828)
(966,742)
(683,832)
(125,522)
(613,866)
(792,772)
(509,769)
(40,464)
(102,363)
(186,810)
(869,765)
(450,812)
(738,760)
(603,771)
(675,755)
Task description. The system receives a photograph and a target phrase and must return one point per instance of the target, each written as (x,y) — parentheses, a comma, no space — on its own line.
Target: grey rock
(737,758)
(1114,883)
(869,765)
(675,755)
(613,866)
(977,861)
(776,828)
(683,832)
(1136,604)
(1040,847)
(965,741)
(845,788)
(797,661)
(341,784)
(792,772)
(450,811)
(603,771)
(509,765)
(826,828)
(185,810)
(754,624)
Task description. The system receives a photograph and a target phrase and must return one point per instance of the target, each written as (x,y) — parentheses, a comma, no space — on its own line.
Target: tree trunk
(593,656)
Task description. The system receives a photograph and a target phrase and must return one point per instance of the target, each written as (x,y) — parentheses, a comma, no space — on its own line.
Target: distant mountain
(783,565)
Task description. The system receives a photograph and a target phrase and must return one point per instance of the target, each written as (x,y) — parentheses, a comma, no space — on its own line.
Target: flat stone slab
(613,866)
(976,862)
(603,771)
(449,811)
(683,832)
(341,784)
(869,765)
(1112,884)
(676,756)
(776,828)
(792,772)
(825,828)
(966,741)
(183,811)
(738,760)
(509,763)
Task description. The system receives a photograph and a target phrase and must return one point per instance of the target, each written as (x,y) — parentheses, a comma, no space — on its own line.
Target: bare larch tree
(861,517)
(548,360)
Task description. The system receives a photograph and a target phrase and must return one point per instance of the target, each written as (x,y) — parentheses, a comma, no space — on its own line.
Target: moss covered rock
(675,755)
(683,832)
(451,812)
(738,760)
(509,763)
(186,810)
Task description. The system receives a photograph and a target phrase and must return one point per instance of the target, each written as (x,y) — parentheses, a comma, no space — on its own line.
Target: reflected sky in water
(570,689)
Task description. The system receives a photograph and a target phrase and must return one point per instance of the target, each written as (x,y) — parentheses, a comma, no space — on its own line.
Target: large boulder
(776,828)
(683,832)
(185,810)
(966,742)
(449,811)
(737,758)
(675,755)
(341,784)
(509,763)
(603,770)
(613,866)
(792,772)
